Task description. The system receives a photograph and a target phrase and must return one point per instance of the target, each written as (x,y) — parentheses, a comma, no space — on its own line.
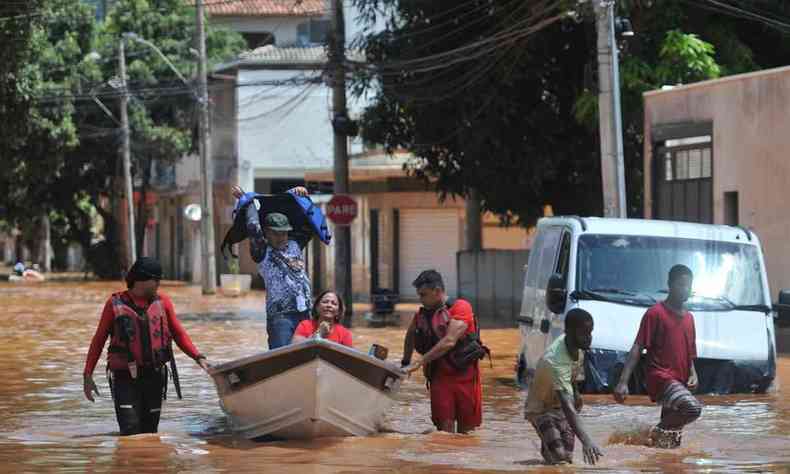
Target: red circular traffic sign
(341,209)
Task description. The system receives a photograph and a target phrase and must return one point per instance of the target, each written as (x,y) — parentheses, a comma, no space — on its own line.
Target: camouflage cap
(278,222)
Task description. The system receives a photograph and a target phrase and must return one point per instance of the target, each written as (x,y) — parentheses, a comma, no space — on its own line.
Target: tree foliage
(65,162)
(520,123)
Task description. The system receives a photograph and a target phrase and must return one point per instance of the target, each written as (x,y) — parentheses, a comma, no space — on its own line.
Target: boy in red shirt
(456,395)
(667,333)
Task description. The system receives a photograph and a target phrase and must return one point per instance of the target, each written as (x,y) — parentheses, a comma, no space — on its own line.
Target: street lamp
(135,37)
(622,27)
(93,56)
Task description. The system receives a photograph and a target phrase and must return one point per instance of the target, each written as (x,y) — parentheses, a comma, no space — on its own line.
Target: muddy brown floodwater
(47,425)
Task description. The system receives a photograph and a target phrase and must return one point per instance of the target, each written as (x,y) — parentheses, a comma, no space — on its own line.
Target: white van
(617,268)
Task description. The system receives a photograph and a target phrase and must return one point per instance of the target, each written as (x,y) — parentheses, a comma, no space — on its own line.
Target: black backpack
(469,349)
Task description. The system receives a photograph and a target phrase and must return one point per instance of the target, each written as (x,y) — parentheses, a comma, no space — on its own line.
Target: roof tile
(265,7)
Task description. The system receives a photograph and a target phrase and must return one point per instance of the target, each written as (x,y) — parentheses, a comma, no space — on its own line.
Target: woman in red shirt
(327,311)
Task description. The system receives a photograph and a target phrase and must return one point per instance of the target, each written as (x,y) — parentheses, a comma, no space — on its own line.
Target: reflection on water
(48,425)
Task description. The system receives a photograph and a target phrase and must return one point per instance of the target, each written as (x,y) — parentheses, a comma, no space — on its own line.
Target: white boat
(312,389)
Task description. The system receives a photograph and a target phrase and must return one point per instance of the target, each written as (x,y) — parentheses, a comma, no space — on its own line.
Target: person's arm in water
(96,348)
(180,336)
(621,390)
(643,340)
(455,330)
(590,450)
(693,381)
(408,343)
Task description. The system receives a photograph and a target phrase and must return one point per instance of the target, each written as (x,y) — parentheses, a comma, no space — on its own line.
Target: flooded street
(48,426)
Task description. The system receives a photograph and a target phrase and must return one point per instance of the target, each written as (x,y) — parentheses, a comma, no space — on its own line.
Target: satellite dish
(193,212)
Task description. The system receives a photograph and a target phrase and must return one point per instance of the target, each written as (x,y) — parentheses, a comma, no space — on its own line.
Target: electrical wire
(166,91)
(751,15)
(467,52)
(736,12)
(294,101)
(414,86)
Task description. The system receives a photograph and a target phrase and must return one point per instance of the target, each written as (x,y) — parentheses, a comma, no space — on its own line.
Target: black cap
(144,269)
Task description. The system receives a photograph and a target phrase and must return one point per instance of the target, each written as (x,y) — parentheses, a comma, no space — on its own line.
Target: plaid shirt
(288,288)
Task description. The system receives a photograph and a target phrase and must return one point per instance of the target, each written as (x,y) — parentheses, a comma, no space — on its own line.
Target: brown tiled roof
(271,54)
(265,7)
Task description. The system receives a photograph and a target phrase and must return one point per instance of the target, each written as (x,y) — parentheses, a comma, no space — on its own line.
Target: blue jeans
(282,326)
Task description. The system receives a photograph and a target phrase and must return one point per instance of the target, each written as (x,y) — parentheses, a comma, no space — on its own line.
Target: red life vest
(139,335)
(431,327)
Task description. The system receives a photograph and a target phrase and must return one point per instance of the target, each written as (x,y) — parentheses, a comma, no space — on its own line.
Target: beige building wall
(386,203)
(495,236)
(751,152)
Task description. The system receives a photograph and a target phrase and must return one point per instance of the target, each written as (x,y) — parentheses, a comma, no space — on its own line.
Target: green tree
(35,156)
(68,165)
(518,123)
(162,111)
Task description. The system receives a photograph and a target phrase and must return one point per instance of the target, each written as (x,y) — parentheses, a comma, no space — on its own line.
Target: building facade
(717,152)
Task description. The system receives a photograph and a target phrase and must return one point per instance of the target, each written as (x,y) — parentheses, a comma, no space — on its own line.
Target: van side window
(564,257)
(531,279)
(546,246)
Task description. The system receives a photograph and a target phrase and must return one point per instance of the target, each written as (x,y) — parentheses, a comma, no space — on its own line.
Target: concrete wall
(751,152)
(493,280)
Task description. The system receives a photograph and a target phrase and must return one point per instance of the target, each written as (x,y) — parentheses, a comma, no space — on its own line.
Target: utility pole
(609,114)
(209,272)
(126,152)
(337,58)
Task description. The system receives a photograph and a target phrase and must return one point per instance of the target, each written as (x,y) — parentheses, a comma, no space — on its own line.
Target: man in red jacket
(141,324)
(456,394)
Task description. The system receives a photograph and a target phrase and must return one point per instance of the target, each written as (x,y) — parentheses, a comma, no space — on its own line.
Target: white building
(272,130)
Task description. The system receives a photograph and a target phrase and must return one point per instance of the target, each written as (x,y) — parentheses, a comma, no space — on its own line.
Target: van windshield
(634,269)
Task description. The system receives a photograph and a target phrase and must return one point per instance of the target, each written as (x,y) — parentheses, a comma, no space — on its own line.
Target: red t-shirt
(462,311)
(107,318)
(339,334)
(670,340)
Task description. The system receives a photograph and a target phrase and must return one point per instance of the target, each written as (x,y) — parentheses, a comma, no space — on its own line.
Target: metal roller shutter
(429,238)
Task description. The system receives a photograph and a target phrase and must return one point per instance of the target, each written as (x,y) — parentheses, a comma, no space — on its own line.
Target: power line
(411,82)
(294,101)
(736,12)
(464,53)
(750,14)
(172,90)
